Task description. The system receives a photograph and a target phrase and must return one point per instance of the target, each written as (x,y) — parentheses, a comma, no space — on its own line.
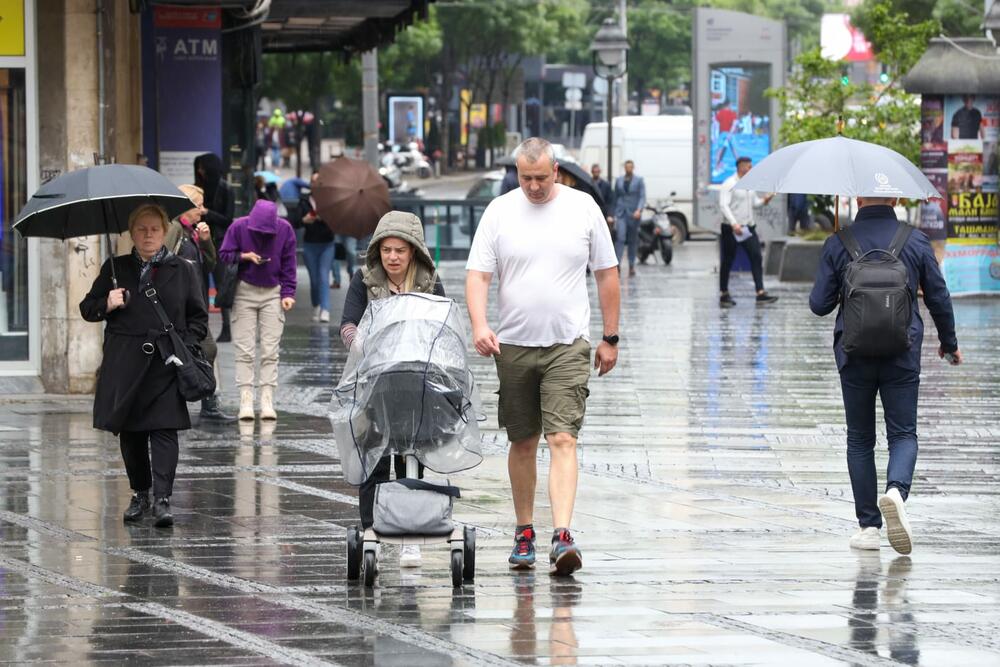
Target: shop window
(13,195)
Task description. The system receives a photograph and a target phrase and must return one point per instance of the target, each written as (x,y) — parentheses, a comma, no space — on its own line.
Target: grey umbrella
(97,200)
(838,166)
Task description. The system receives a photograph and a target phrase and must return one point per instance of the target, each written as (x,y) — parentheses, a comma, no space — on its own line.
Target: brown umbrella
(351,197)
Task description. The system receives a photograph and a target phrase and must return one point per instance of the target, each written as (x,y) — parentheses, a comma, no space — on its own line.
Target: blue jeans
(319,257)
(627,232)
(898,387)
(275,157)
(351,247)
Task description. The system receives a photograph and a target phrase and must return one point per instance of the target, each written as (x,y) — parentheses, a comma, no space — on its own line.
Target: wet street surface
(713,514)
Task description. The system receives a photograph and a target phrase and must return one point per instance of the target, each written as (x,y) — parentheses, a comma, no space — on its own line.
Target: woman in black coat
(137,394)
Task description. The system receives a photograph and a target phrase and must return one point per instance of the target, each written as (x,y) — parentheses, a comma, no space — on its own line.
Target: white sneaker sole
(897,531)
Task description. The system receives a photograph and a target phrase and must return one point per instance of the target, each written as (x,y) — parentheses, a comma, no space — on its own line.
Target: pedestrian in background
(739,229)
(630,199)
(137,395)
(317,251)
(896,379)
(346,249)
(190,238)
(264,246)
(604,188)
(219,205)
(540,240)
(798,213)
(260,144)
(397,262)
(276,137)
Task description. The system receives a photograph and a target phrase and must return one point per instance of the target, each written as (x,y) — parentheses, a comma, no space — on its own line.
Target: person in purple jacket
(264,245)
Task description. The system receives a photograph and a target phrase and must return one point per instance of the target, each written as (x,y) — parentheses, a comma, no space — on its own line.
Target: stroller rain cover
(407,388)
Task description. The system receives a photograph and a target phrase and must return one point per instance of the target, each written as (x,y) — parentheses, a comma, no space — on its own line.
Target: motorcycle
(656,235)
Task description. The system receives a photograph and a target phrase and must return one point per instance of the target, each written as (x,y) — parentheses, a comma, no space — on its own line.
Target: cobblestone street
(713,514)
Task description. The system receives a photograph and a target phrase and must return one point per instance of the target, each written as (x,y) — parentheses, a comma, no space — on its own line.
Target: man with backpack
(872,270)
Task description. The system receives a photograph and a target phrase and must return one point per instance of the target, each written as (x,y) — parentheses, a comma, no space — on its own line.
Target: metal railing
(449,224)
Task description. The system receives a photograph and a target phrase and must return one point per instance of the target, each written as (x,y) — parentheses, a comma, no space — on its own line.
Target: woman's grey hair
(534,148)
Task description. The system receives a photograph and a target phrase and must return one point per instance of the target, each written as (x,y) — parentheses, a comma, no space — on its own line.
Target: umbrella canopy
(351,197)
(292,188)
(838,166)
(97,200)
(268,176)
(584,182)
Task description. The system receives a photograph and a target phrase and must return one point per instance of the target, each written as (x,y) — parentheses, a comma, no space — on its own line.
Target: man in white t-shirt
(540,239)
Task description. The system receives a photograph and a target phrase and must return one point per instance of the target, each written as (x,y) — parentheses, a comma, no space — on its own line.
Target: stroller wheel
(354,547)
(469,570)
(456,568)
(370,569)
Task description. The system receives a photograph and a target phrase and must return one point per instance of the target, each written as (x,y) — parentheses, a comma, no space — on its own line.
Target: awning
(348,26)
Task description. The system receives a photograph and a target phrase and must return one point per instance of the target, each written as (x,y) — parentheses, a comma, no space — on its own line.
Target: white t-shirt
(540,253)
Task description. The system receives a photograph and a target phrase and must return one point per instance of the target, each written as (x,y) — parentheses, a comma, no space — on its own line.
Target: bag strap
(150,293)
(899,239)
(850,243)
(421,485)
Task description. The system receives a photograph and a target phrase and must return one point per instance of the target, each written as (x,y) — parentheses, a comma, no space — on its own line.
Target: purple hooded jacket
(271,237)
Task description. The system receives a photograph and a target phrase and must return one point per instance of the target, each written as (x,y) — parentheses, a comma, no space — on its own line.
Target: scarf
(145,266)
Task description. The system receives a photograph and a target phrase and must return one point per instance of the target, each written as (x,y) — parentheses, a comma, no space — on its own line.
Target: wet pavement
(713,514)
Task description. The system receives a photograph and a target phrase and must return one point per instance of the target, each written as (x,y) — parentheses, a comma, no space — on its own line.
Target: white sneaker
(896,524)
(324,316)
(409,556)
(267,403)
(867,539)
(246,405)
(316,313)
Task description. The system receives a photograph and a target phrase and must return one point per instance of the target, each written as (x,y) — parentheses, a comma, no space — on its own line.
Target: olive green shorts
(543,390)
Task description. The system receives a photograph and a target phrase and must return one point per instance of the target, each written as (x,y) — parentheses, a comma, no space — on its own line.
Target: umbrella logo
(882,186)
(881,179)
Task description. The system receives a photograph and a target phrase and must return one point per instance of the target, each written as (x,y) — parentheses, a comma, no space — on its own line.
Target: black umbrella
(584,182)
(97,200)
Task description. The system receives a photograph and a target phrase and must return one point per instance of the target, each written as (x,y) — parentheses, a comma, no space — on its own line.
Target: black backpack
(876,301)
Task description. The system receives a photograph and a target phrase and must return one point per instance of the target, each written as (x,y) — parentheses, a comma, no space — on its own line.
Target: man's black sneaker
(137,506)
(726,301)
(565,557)
(765,298)
(161,513)
(523,555)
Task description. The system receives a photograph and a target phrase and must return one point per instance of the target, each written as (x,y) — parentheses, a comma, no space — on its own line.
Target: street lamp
(610,49)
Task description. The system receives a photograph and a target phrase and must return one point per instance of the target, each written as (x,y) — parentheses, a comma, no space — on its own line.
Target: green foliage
(898,40)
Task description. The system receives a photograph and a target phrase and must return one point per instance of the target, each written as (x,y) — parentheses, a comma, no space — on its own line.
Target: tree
(814,97)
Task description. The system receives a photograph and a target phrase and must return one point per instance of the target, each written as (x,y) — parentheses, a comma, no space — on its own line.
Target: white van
(660,147)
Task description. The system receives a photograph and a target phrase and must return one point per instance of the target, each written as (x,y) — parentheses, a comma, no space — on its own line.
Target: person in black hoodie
(209,170)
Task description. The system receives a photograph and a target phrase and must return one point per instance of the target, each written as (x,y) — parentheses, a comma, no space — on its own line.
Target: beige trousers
(257,311)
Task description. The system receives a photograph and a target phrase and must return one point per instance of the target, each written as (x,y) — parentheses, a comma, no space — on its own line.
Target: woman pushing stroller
(397,262)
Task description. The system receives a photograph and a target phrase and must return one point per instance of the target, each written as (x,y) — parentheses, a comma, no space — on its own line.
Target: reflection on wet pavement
(714,513)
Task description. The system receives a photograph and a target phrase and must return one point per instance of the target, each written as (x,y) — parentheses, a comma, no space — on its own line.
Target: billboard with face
(740,116)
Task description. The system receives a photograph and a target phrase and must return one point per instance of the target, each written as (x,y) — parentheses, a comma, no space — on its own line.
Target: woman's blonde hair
(194,193)
(151,210)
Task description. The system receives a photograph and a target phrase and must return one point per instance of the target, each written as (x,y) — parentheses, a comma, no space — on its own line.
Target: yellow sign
(11,27)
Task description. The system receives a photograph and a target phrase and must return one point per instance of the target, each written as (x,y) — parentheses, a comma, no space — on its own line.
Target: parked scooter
(656,235)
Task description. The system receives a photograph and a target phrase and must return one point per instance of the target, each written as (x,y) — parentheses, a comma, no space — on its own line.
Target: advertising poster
(971,128)
(406,119)
(934,213)
(188,62)
(741,124)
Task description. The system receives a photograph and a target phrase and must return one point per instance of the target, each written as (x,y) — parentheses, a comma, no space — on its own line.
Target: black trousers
(366,494)
(752,248)
(136,449)
(218,273)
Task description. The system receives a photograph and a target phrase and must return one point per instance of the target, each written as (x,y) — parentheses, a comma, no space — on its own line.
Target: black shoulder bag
(225,291)
(195,378)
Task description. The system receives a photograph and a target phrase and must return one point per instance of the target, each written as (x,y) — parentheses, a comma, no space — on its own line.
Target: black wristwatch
(611,339)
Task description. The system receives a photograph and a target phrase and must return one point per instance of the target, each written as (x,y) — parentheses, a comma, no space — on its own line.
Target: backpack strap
(421,485)
(900,238)
(850,243)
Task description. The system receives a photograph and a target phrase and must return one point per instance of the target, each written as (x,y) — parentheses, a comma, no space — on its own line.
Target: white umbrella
(838,166)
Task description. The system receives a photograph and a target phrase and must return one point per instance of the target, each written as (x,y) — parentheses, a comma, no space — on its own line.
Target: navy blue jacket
(873,228)
(627,202)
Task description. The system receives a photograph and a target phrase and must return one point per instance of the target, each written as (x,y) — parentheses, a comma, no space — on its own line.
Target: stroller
(407,390)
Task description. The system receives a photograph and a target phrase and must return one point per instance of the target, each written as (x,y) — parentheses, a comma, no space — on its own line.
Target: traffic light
(883,76)
(845,79)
